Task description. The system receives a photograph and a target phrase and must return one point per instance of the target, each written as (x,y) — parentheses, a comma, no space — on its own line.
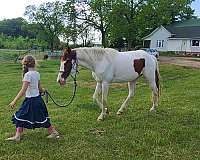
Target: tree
(133,19)
(70,32)
(16,27)
(51,19)
(96,13)
(162,12)
(124,21)
(86,34)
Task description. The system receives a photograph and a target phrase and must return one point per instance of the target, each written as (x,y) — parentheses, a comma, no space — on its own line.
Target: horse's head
(67,65)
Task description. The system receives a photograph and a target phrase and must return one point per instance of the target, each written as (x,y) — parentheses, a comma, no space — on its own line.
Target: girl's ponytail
(25,70)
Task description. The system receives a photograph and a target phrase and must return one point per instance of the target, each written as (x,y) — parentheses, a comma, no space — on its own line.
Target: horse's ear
(69,50)
(64,50)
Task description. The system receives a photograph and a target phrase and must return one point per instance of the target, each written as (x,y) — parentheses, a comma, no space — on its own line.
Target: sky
(15,8)
(196,7)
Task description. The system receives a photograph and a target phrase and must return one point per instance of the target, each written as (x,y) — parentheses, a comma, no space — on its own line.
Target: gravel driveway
(181,61)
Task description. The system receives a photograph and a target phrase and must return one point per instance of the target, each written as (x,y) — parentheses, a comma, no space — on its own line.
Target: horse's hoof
(152,110)
(100,118)
(119,113)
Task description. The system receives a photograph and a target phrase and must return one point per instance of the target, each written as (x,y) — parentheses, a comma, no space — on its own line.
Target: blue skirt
(32,114)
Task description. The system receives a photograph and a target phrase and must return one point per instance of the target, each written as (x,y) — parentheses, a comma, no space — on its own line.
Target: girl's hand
(12,104)
(43,90)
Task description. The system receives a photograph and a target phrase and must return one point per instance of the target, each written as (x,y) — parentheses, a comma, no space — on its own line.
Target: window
(147,43)
(195,43)
(160,43)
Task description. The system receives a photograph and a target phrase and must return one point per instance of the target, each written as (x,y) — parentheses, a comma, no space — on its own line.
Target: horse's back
(141,54)
(123,67)
(129,65)
(137,54)
(150,63)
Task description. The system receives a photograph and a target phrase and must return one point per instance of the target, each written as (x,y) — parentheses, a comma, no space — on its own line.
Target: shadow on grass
(88,106)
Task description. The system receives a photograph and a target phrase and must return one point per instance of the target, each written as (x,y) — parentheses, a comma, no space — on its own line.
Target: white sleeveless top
(33,77)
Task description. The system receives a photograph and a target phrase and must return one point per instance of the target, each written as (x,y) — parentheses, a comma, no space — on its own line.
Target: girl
(33,112)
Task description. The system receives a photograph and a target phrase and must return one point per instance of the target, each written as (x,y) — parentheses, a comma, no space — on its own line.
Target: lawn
(172,132)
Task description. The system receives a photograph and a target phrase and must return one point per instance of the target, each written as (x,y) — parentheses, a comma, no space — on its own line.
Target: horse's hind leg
(155,96)
(131,87)
(151,74)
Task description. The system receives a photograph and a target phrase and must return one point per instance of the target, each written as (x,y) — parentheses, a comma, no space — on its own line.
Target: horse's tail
(157,79)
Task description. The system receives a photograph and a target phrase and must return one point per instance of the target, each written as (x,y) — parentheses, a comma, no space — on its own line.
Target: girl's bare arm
(20,93)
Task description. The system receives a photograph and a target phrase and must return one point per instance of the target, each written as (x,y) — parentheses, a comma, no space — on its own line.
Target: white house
(181,37)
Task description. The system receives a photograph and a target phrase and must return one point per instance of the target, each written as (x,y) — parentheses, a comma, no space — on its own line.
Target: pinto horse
(107,66)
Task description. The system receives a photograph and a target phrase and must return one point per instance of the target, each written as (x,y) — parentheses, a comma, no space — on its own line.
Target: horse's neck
(91,58)
(84,61)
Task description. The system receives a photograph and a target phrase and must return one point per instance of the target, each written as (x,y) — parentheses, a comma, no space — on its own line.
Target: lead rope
(48,95)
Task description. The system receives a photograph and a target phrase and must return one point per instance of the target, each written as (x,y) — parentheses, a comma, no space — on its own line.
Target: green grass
(173,132)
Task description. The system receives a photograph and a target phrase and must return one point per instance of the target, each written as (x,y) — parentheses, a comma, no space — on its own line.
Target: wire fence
(17,55)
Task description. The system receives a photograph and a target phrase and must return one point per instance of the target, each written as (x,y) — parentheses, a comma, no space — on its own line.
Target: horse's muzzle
(61,82)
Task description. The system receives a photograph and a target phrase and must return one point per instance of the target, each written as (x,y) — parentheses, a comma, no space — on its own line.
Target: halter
(75,63)
(47,94)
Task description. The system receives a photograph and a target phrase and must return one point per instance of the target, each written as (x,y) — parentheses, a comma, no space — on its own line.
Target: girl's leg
(19,131)
(50,129)
(52,132)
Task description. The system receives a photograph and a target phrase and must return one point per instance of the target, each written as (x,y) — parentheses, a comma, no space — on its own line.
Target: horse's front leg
(97,93)
(105,88)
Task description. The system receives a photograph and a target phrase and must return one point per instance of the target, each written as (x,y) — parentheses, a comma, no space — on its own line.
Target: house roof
(186,29)
(187,23)
(155,30)
(184,32)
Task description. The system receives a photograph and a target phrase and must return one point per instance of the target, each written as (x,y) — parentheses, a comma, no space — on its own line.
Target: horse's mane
(96,53)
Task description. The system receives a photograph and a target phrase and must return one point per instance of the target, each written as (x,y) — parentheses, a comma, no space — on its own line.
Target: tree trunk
(83,41)
(103,40)
(51,46)
(129,45)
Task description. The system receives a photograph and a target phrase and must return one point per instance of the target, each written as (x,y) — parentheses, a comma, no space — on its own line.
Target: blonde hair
(28,62)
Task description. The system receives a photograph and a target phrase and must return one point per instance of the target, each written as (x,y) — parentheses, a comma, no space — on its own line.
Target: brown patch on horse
(139,64)
(68,55)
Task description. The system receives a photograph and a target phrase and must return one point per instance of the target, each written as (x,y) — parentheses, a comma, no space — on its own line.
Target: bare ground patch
(181,61)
